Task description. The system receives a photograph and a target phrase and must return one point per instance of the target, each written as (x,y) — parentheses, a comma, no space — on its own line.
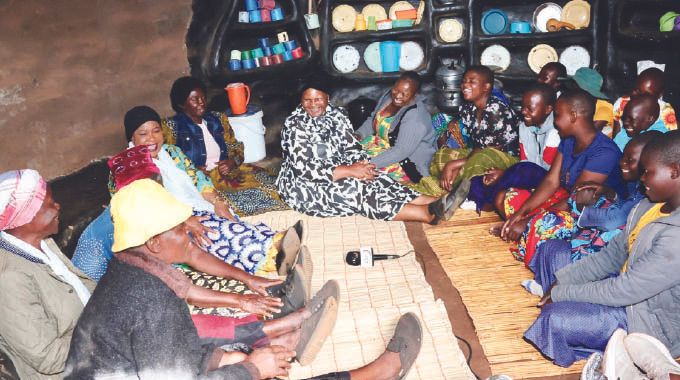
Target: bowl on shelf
(521,27)
(343,18)
(496,56)
(494,21)
(411,56)
(540,55)
(577,13)
(450,30)
(545,12)
(574,57)
(346,58)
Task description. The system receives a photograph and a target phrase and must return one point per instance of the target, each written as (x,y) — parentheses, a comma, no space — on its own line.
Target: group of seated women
(178,273)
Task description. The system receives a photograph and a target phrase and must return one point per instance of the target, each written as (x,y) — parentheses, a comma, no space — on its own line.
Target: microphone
(364,257)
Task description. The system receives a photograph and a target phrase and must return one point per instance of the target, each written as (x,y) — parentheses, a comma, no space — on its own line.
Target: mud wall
(70,69)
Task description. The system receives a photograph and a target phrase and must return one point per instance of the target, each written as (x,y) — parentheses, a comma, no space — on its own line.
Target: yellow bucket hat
(142,210)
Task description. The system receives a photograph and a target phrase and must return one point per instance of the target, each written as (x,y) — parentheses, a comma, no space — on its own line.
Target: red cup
(297,52)
(276,59)
(239,96)
(267,4)
(265,15)
(265,61)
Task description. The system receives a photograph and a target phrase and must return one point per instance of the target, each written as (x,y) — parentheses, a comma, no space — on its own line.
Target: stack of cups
(235,61)
(260,11)
(266,54)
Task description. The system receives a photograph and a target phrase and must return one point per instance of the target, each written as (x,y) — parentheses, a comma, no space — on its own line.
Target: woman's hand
(260,284)
(449,173)
(198,231)
(222,210)
(363,170)
(599,189)
(514,227)
(225,167)
(261,305)
(492,176)
(271,361)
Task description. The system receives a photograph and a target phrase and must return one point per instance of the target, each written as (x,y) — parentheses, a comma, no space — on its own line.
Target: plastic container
(389,56)
(494,21)
(249,129)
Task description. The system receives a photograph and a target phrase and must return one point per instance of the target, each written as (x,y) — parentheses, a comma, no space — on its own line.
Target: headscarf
(142,210)
(131,165)
(135,117)
(181,89)
(22,193)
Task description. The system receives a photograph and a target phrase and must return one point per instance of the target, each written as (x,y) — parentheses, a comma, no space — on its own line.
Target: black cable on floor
(468,357)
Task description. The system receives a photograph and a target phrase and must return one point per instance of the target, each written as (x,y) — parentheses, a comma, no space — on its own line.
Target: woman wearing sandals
(144,329)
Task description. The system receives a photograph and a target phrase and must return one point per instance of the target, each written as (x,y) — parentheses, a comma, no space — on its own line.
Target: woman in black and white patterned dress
(325,172)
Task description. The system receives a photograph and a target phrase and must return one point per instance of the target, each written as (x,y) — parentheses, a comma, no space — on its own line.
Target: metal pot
(448,79)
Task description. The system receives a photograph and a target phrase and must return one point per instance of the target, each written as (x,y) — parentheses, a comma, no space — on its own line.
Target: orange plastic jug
(239,96)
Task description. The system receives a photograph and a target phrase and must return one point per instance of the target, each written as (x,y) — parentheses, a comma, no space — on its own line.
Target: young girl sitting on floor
(632,284)
(639,116)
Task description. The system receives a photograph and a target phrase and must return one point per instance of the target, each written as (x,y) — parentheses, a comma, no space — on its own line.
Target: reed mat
(372,299)
(488,278)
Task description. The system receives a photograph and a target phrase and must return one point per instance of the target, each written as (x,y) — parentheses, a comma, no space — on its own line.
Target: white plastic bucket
(250,130)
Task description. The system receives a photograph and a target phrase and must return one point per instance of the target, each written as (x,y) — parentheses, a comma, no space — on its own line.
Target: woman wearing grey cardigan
(399,135)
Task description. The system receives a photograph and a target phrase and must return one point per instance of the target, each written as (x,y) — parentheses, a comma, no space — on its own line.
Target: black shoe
(437,209)
(299,229)
(455,198)
(293,292)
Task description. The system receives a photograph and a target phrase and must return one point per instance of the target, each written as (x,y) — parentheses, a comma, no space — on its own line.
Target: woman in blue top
(584,155)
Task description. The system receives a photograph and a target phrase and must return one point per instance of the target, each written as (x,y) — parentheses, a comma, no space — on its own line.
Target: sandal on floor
(304,259)
(315,330)
(407,339)
(294,292)
(290,245)
(456,198)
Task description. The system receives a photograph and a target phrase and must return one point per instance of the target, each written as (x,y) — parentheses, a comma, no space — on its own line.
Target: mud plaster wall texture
(69,69)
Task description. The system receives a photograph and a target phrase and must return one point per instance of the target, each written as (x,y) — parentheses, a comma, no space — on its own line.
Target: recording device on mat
(365,258)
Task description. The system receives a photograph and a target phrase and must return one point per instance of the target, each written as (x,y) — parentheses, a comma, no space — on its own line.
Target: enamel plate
(375,10)
(577,13)
(545,12)
(450,30)
(411,56)
(574,57)
(344,17)
(540,55)
(399,6)
(421,10)
(346,58)
(372,57)
(496,55)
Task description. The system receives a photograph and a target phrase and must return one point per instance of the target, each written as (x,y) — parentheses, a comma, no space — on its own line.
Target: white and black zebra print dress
(312,149)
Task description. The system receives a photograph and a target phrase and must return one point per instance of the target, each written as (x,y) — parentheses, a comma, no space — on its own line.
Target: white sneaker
(533,287)
(593,368)
(651,355)
(617,364)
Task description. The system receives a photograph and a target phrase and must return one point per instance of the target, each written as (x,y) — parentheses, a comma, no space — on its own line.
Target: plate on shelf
(540,55)
(496,55)
(421,10)
(343,18)
(375,10)
(494,21)
(372,57)
(346,58)
(399,6)
(411,55)
(450,30)
(577,13)
(574,57)
(545,12)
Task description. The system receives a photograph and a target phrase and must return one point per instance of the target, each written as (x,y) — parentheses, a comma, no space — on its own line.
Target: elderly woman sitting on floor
(325,172)
(209,142)
(253,248)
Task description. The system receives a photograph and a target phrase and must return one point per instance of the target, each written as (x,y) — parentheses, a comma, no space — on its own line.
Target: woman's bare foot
(423,200)
(495,230)
(287,324)
(288,340)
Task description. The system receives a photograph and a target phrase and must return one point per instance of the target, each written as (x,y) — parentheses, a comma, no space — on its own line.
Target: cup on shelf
(234,64)
(521,27)
(255,16)
(277,59)
(290,45)
(243,17)
(235,54)
(248,63)
(360,22)
(389,56)
(267,50)
(265,61)
(267,4)
(371,23)
(276,14)
(312,21)
(251,5)
(279,48)
(297,53)
(287,56)
(246,54)
(257,53)
(265,15)
(384,24)
(263,42)
(282,37)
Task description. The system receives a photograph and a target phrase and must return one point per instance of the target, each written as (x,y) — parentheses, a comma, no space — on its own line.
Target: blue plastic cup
(267,50)
(389,56)
(234,64)
(276,14)
(290,45)
(248,64)
(255,16)
(287,55)
(263,42)
(521,27)
(251,5)
(257,53)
